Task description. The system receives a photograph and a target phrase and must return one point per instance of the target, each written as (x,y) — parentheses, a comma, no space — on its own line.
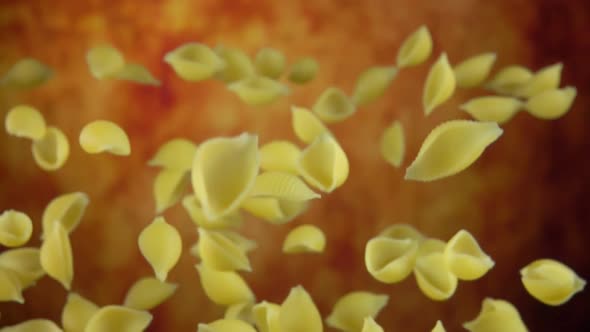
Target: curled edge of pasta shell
(16,228)
(118,318)
(104,136)
(52,150)
(390,260)
(304,238)
(11,288)
(508,79)
(333,105)
(440,84)
(415,49)
(219,252)
(273,210)
(67,209)
(24,263)
(194,62)
(306,125)
(298,312)
(161,245)
(432,274)
(465,258)
(195,211)
(224,288)
(76,312)
(551,282)
(56,256)
(258,90)
(551,104)
(147,293)
(25,121)
(169,186)
(176,154)
(370,325)
(473,71)
(350,311)
(496,315)
(266,316)
(546,78)
(324,164)
(36,324)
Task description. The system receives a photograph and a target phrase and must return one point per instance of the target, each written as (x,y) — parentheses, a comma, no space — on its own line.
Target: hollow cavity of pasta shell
(369,325)
(273,210)
(56,256)
(10,286)
(16,228)
(118,318)
(393,144)
(439,86)
(465,258)
(147,293)
(350,311)
(193,207)
(299,313)
(507,80)
(270,62)
(238,65)
(304,70)
(219,252)
(266,316)
(551,282)
(258,90)
(161,245)
(323,164)
(474,71)
(546,78)
(169,186)
(496,315)
(25,121)
(194,62)
(224,287)
(104,61)
(137,73)
(433,276)
(175,154)
(304,238)
(415,49)
(77,312)
(26,73)
(280,156)
(24,263)
(52,150)
(104,136)
(551,104)
(306,125)
(402,232)
(226,325)
(372,84)
(390,260)
(492,108)
(66,209)
(333,105)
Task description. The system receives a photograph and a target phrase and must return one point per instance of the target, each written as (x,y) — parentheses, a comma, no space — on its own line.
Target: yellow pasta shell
(282,185)
(304,70)
(147,293)
(137,73)
(224,287)
(76,313)
(226,325)
(323,164)
(402,232)
(372,84)
(496,315)
(175,154)
(104,136)
(393,144)
(27,73)
(350,310)
(219,252)
(241,311)
(258,90)
(433,276)
(438,327)
(169,186)
(33,325)
(195,211)
(369,325)
(51,151)
(450,148)
(241,241)
(66,209)
(492,108)
(333,105)
(415,49)
(474,71)
(24,263)
(299,313)
(238,65)
(56,256)
(465,258)
(104,61)
(118,318)
(266,316)
(10,286)
(510,78)
(546,78)
(306,125)
(270,62)
(273,210)
(25,121)
(390,260)
(439,86)
(16,228)
(279,156)
(551,282)
(161,245)
(194,62)
(304,238)
(551,104)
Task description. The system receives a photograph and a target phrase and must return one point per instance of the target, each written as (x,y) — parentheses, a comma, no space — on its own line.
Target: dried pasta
(465,258)
(402,232)
(10,286)
(474,71)
(56,256)
(369,325)
(118,318)
(270,62)
(195,211)
(169,186)
(52,150)
(323,164)
(507,80)
(551,281)
(25,121)
(16,228)
(280,156)
(241,241)
(282,185)
(219,252)
(551,104)
(390,260)
(450,148)
(136,73)
(224,287)
(161,245)
(175,154)
(492,108)
(66,209)
(372,84)
(241,311)
(194,62)
(33,325)
(104,61)
(273,210)
(304,70)
(350,311)
(226,325)
(238,65)
(104,136)
(258,90)
(24,263)
(306,125)
(147,293)
(333,105)
(439,327)
(415,49)
(439,86)
(299,313)
(432,273)
(546,78)
(496,315)
(304,238)
(77,312)
(266,316)
(27,73)
(393,144)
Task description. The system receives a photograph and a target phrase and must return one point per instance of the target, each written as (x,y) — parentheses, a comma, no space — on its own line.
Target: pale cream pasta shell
(372,84)
(304,238)
(33,325)
(52,150)
(415,49)
(299,313)
(350,311)
(25,121)
(224,287)
(226,325)
(333,105)
(282,185)
(266,316)
(195,211)
(11,288)
(280,156)
(237,64)
(26,73)
(136,73)
(270,62)
(324,164)
(147,293)
(390,260)
(492,108)
(393,144)
(304,70)
(104,61)
(546,78)
(439,86)
(551,104)
(24,263)
(273,210)
(76,313)
(370,325)
(219,252)
(161,245)
(194,62)
(496,315)
(169,186)
(118,318)
(433,276)
(175,154)
(104,136)
(551,281)
(258,90)
(306,125)
(56,256)
(66,209)
(509,78)
(16,228)
(465,258)
(473,71)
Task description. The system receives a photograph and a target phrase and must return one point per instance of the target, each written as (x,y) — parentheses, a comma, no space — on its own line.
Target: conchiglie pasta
(52,150)
(372,84)
(551,104)
(369,325)
(507,80)
(76,313)
(496,315)
(415,49)
(304,238)
(137,73)
(238,65)
(25,121)
(194,62)
(56,256)
(492,108)
(27,73)
(169,186)
(226,325)
(439,86)
(241,311)
(270,62)
(551,282)
(323,164)
(258,90)
(24,263)
(241,241)
(390,260)
(306,125)
(224,287)
(118,318)
(219,252)
(175,154)
(273,210)
(33,325)
(104,61)
(299,313)
(16,228)
(104,136)
(438,327)
(161,245)
(393,144)
(279,156)
(66,209)
(465,258)
(402,232)
(193,207)
(333,105)
(147,293)
(433,276)
(266,316)
(474,71)
(304,70)
(350,311)
(10,286)
(546,78)
(282,185)
(450,148)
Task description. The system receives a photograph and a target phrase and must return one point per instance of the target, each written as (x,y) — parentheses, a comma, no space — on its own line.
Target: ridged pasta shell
(226,325)
(16,228)
(137,73)
(224,287)
(118,318)
(161,245)
(169,186)
(333,105)
(450,148)
(415,49)
(439,86)
(273,210)
(258,90)
(24,263)
(390,260)
(323,164)
(551,104)
(104,136)
(299,313)
(492,108)
(33,325)
(546,78)
(304,238)
(104,61)
(393,144)
(465,258)
(433,276)
(372,84)
(76,313)
(266,316)
(238,65)
(304,70)
(224,170)
(56,256)
(551,282)
(507,80)
(195,211)
(66,209)
(279,156)
(439,327)
(219,252)
(25,121)
(194,62)
(369,325)
(496,315)
(11,288)
(474,71)
(350,311)
(51,151)
(282,185)
(27,73)
(175,154)
(306,125)
(148,293)
(270,62)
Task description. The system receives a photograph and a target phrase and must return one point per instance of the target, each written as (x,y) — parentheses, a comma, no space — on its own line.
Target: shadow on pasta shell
(66,209)
(304,70)
(393,144)
(509,79)
(306,125)
(219,252)
(16,228)
(195,211)
(270,62)
(333,105)
(11,288)
(323,164)
(273,210)
(390,260)
(465,258)
(546,78)
(433,276)
(283,186)
(224,287)
(238,65)
(266,316)
(137,73)
(104,136)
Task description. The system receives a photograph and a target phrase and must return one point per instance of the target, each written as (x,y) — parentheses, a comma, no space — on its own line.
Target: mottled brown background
(526,198)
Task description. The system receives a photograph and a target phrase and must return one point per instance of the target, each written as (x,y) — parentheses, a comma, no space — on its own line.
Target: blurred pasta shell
(104,136)
(299,313)
(551,104)
(282,185)
(372,84)
(465,258)
(24,263)
(369,325)
(473,71)
(56,256)
(496,315)
(546,78)
(304,70)
(76,313)
(507,80)
(306,125)
(219,252)
(224,287)
(195,211)
(33,325)
(393,144)
(147,293)
(350,311)
(492,108)
(551,282)
(415,49)
(104,61)
(25,121)
(169,186)
(161,245)
(439,85)
(226,325)
(433,276)
(175,154)
(450,148)
(194,62)
(241,241)
(26,73)
(52,150)
(333,105)
(304,238)
(279,156)
(266,316)
(16,228)
(438,327)
(241,311)
(258,90)
(402,232)
(10,286)
(390,260)
(238,65)
(323,164)
(137,73)
(270,62)
(66,209)
(273,210)
(224,170)
(118,318)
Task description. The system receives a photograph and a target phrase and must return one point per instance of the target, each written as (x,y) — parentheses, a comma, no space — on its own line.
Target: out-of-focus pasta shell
(282,185)
(279,156)
(333,105)
(323,164)
(492,108)
(10,286)
(25,121)
(496,315)
(195,211)
(66,209)
(238,65)
(33,325)
(16,228)
(415,49)
(175,154)
(350,311)
(546,78)
(219,252)
(226,325)
(438,327)
(266,316)
(402,232)
(24,263)
(161,245)
(104,136)
(551,104)
(304,70)
(224,287)
(118,318)
(137,73)
(52,150)
(270,62)
(433,276)
(474,71)
(551,282)
(258,90)
(450,148)
(76,313)
(369,325)
(507,80)
(393,144)
(104,61)
(306,125)
(241,241)
(372,84)
(27,73)
(273,210)
(147,293)
(439,86)
(390,260)
(56,256)
(169,186)
(194,62)
(224,170)
(304,238)
(465,258)
(299,313)
(241,311)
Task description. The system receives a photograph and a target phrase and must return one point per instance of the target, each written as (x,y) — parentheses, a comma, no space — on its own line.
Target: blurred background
(526,198)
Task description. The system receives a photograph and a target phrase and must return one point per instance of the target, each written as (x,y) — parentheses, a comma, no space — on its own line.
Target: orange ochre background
(525,198)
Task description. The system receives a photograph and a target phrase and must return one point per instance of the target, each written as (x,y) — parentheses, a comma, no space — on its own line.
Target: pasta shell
(306,125)
(258,90)
(465,258)
(104,61)
(219,252)
(474,71)
(369,325)
(439,327)
(415,49)
(496,315)
(390,260)
(161,245)
(16,228)
(492,108)
(507,80)
(270,62)
(148,293)
(241,241)
(226,325)
(24,263)
(27,73)
(279,156)
(76,313)
(56,256)
(33,325)
(433,276)
(51,151)
(10,286)
(266,316)
(372,84)
(175,154)
(224,287)
(350,310)
(241,311)
(193,208)
(304,238)
(393,144)
(402,232)
(224,170)
(67,210)
(333,106)
(238,65)
(136,73)
(273,210)
(551,282)
(551,104)
(169,186)
(118,318)
(323,164)
(25,121)
(299,313)
(304,70)
(282,185)
(104,136)
(439,86)
(450,148)
(546,78)
(194,62)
